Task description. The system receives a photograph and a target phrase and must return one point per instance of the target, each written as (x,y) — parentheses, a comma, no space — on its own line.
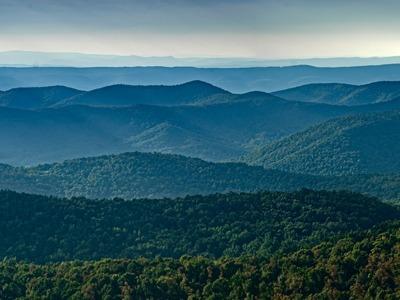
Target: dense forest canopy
(363,266)
(42,229)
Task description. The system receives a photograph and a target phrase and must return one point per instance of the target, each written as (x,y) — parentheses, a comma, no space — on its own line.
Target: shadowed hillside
(215,132)
(36,98)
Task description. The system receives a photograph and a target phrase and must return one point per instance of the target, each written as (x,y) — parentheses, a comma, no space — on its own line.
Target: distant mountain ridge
(67,59)
(235,80)
(343,94)
(195,93)
(115,95)
(367,143)
(126,95)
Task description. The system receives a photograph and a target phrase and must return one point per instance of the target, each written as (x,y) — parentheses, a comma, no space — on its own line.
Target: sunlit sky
(248,28)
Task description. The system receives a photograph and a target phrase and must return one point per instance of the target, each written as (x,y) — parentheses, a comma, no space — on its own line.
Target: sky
(250,28)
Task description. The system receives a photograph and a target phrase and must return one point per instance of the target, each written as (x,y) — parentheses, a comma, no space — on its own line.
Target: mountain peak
(164,95)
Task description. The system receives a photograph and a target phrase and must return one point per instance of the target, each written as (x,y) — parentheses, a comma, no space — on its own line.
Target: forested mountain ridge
(42,229)
(343,94)
(364,266)
(368,143)
(128,95)
(194,92)
(155,175)
(144,175)
(36,98)
(114,95)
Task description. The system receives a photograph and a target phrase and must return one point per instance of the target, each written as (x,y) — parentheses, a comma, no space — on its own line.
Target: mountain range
(195,191)
(194,92)
(193,119)
(236,80)
(113,96)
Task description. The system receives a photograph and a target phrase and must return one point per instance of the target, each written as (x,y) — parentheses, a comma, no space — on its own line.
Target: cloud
(208,27)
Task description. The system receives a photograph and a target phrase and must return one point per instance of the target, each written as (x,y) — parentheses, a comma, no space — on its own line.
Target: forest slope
(350,145)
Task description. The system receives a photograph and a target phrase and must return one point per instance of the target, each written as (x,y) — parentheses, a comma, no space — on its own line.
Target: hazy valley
(194,119)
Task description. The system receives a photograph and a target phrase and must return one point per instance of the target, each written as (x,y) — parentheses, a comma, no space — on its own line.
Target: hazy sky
(248,28)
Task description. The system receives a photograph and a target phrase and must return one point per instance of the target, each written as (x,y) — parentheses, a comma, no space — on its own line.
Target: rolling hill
(154,175)
(343,94)
(36,98)
(144,175)
(350,145)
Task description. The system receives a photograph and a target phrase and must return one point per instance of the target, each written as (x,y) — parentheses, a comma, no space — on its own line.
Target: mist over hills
(350,145)
(60,59)
(343,94)
(215,132)
(236,80)
(194,119)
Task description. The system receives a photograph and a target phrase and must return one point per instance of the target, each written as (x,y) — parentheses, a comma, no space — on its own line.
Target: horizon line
(196,56)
